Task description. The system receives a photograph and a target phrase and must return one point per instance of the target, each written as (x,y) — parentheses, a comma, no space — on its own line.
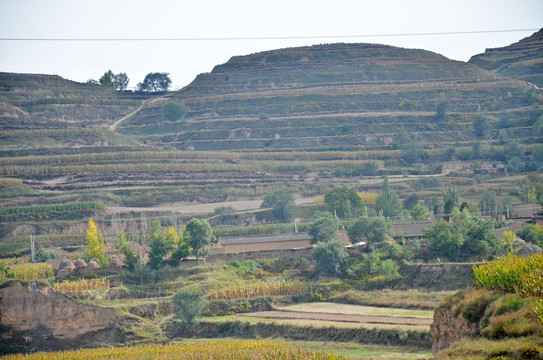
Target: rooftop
(263,238)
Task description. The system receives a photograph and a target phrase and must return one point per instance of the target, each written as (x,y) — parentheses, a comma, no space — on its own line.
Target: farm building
(241,244)
(526,210)
(411,229)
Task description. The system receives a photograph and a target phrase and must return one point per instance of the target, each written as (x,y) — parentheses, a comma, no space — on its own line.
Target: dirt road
(187,208)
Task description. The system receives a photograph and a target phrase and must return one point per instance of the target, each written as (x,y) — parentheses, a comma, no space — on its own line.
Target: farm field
(340,315)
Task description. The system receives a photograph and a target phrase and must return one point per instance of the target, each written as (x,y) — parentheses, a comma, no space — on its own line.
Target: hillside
(339,96)
(309,119)
(522,60)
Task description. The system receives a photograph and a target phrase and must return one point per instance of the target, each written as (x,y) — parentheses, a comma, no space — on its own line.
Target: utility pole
(296,225)
(32,248)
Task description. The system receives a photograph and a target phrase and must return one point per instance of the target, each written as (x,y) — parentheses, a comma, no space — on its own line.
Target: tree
(108,79)
(189,303)
(199,234)
(441,111)
(331,257)
(281,202)
(538,126)
(419,213)
(490,205)
(183,249)
(481,126)
(388,202)
(161,244)
(324,228)
(450,199)
(342,201)
(449,153)
(442,240)
(123,245)
(509,240)
(131,260)
(372,230)
(413,153)
(480,239)
(96,247)
(155,82)
(121,81)
(43,255)
(410,202)
(173,111)
(531,233)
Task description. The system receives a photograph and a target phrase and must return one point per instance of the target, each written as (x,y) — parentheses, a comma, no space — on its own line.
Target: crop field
(209,350)
(339,315)
(333,308)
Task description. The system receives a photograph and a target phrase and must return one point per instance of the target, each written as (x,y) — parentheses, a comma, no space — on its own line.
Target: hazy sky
(107,19)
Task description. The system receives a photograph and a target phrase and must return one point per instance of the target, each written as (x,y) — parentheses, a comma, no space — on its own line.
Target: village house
(241,244)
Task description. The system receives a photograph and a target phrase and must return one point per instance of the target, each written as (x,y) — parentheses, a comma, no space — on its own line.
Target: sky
(209,32)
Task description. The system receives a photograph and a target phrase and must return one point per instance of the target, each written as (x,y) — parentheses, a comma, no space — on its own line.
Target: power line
(269,37)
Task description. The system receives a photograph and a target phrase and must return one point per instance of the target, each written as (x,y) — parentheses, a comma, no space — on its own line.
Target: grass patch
(483,349)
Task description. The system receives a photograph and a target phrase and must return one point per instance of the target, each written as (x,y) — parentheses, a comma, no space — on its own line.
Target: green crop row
(514,274)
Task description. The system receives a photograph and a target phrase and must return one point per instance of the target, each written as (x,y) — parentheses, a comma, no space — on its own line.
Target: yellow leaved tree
(96,247)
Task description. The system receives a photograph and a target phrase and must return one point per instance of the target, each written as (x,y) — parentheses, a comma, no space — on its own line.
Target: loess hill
(330,97)
(308,118)
(522,60)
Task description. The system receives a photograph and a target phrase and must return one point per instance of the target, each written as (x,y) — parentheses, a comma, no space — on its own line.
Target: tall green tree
(343,201)
(281,202)
(161,244)
(108,79)
(120,81)
(324,228)
(442,240)
(372,230)
(419,213)
(155,82)
(331,257)
(182,249)
(490,205)
(450,199)
(388,202)
(199,234)
(481,126)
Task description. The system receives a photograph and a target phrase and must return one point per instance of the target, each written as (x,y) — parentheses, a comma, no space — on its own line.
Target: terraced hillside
(308,118)
(522,60)
(46,114)
(337,97)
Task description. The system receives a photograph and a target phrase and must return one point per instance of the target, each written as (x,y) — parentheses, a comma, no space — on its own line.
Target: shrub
(174,111)
(473,307)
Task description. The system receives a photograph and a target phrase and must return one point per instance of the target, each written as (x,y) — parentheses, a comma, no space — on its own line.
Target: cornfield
(30,271)
(81,285)
(520,275)
(209,350)
(261,288)
(15,260)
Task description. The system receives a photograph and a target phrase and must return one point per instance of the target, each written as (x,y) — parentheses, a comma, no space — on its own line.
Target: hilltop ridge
(521,60)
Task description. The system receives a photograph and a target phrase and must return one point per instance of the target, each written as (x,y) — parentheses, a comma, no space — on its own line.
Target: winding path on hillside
(143,103)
